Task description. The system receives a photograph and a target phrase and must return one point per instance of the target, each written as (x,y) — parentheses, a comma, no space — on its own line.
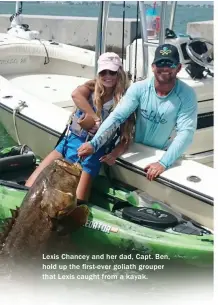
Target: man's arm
(123,110)
(185,127)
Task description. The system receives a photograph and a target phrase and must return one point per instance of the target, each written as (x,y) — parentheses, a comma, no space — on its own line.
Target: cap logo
(165,51)
(112,58)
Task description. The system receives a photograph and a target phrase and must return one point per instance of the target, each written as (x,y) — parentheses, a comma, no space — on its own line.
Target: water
(184,13)
(5,139)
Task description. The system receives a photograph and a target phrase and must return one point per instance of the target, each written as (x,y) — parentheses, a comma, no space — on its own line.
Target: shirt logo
(165,51)
(154,117)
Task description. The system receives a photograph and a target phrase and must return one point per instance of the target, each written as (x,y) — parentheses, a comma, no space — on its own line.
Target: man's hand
(153,170)
(85,150)
(110,159)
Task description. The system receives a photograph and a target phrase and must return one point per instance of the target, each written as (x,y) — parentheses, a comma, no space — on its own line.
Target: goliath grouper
(51,198)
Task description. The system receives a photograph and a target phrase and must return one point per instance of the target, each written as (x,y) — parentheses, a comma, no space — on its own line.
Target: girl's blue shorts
(90,164)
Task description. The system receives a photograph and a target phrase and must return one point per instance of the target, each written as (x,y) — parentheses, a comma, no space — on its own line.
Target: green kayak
(116,222)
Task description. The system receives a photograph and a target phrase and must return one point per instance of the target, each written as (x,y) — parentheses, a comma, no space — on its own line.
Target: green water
(5,139)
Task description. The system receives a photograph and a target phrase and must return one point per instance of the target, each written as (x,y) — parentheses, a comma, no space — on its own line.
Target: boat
(116,220)
(42,84)
(37,74)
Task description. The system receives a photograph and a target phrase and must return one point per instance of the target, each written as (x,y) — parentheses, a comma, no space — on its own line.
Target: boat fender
(150,217)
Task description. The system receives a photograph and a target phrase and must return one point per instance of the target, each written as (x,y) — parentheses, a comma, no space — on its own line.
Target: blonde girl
(94,100)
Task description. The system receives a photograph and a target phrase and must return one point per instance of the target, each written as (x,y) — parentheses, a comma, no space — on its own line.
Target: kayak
(121,218)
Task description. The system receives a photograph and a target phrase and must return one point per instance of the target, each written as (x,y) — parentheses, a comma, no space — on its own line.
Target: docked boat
(121,217)
(36,82)
(37,74)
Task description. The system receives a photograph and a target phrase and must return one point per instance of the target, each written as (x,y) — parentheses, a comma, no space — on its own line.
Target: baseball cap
(168,52)
(109,61)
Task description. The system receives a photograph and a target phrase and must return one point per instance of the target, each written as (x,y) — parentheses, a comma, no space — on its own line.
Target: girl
(94,100)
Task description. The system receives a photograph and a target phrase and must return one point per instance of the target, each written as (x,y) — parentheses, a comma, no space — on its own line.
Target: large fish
(52,197)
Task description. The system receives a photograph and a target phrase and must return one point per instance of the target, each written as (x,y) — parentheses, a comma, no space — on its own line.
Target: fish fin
(14,213)
(8,224)
(5,229)
(80,215)
(72,221)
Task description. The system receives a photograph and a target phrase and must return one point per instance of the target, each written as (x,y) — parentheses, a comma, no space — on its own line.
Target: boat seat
(50,88)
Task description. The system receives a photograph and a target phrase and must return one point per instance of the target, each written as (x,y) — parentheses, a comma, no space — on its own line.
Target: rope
(47,59)
(21,105)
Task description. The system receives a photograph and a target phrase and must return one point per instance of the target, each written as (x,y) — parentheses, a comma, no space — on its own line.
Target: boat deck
(50,88)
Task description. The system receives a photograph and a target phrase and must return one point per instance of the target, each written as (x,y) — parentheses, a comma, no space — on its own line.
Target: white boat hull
(170,192)
(183,203)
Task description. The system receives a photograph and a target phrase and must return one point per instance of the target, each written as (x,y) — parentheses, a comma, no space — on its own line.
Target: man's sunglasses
(165,63)
(105,72)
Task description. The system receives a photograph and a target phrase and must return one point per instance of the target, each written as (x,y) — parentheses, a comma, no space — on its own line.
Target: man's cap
(109,61)
(167,52)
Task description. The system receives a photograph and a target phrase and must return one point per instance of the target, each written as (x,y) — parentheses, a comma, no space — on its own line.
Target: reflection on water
(5,140)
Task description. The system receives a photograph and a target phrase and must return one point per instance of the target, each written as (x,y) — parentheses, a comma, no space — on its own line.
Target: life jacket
(76,129)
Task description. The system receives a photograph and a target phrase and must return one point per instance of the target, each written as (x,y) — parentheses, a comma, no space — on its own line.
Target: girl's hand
(95,128)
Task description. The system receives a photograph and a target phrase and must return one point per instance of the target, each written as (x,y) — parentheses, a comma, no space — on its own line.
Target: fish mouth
(74,169)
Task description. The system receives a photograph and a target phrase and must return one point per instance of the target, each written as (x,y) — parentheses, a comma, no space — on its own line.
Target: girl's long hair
(122,85)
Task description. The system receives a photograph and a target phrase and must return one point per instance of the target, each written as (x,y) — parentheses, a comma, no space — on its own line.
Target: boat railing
(172,15)
(101,31)
(144,35)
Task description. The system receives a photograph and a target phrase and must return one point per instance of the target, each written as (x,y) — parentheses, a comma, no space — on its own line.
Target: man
(163,103)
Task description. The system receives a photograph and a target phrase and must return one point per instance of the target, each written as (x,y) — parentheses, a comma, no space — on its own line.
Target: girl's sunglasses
(105,72)
(165,63)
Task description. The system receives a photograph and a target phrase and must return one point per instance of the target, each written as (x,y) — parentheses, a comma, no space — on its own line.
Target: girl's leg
(51,157)
(84,186)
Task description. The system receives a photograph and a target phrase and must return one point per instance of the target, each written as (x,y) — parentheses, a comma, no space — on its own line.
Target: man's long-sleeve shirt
(156,118)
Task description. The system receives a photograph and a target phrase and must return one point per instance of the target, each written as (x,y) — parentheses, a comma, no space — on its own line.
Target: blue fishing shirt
(156,118)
